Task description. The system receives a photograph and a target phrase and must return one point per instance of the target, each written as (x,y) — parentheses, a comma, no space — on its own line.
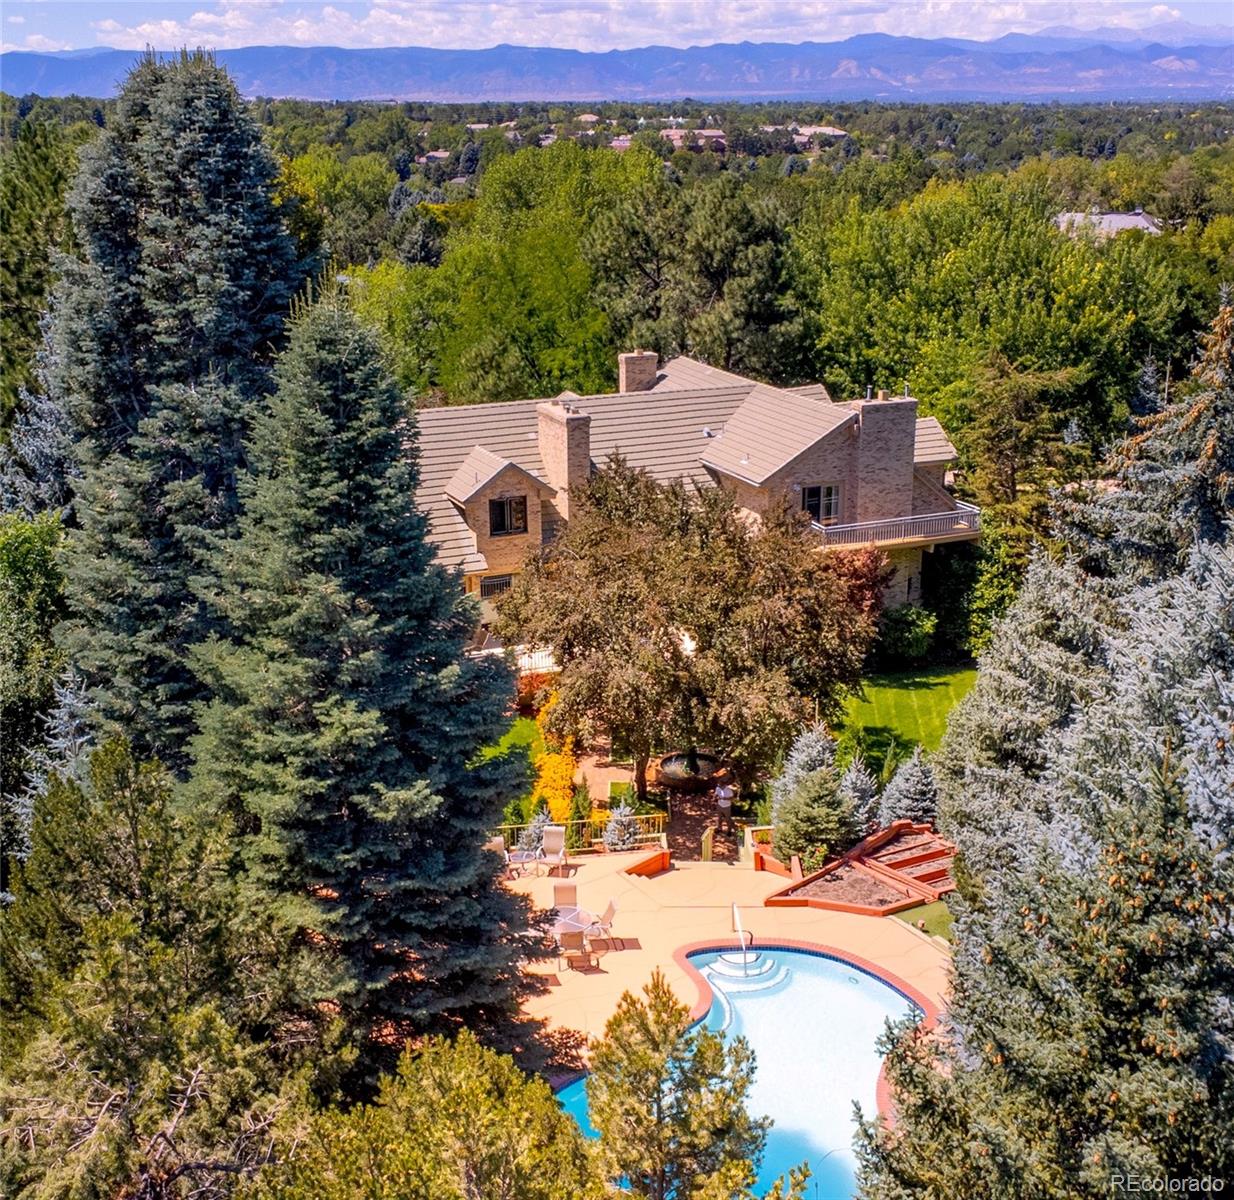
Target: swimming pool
(812,1021)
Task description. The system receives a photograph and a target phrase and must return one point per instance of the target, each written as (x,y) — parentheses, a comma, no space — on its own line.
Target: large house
(495,479)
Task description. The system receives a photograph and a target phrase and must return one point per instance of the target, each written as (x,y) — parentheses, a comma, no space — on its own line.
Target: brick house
(495,479)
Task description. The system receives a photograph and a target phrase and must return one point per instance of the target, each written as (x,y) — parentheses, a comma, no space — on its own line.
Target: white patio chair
(553,850)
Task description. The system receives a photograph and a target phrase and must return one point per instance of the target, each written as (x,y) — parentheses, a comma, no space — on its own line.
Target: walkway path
(690,819)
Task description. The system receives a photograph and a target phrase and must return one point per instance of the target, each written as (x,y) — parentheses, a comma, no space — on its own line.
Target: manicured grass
(936,916)
(524,733)
(911,706)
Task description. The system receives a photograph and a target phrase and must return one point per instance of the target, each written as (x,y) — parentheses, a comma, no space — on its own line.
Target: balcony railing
(962,521)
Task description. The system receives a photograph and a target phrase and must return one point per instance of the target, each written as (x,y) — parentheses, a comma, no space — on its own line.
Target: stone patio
(693,903)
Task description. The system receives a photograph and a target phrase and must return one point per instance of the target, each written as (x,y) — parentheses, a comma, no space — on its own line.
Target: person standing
(724,806)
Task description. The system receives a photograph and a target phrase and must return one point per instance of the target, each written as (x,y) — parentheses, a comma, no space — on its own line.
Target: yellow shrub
(555,781)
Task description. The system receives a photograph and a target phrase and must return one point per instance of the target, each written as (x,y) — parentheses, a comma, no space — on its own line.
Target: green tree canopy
(456,1121)
(674,619)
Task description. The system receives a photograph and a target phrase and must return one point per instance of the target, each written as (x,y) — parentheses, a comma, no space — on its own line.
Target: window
(507,516)
(822,503)
(494,585)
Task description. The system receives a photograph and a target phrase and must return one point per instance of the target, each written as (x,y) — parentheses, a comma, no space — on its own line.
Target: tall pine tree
(347,719)
(1089,784)
(1090,1029)
(161,334)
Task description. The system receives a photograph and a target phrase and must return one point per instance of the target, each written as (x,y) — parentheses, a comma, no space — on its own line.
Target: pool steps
(735,973)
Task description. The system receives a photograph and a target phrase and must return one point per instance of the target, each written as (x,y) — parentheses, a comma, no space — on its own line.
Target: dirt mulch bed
(851,885)
(906,845)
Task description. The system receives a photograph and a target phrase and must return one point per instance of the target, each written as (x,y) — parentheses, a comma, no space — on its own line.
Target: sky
(573,24)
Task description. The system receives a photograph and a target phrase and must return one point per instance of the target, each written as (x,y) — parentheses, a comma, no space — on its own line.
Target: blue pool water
(812,1023)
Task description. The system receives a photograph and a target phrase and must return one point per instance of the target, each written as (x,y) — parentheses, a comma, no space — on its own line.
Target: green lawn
(936,916)
(523,733)
(911,706)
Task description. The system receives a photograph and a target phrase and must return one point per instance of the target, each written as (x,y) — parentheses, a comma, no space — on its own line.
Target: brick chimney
(564,434)
(887,433)
(637,372)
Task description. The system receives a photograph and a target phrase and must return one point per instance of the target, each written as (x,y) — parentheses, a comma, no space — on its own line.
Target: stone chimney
(564,435)
(887,435)
(637,372)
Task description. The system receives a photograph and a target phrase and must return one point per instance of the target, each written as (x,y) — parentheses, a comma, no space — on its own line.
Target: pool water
(813,1023)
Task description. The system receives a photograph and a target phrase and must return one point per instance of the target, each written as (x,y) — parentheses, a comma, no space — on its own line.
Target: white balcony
(962,523)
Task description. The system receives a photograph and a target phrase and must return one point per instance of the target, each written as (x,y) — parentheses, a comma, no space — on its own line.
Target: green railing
(581,834)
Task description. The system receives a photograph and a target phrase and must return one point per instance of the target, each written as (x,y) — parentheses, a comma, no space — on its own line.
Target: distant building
(1106,224)
(496,479)
(587,119)
(695,139)
(479,125)
(621,142)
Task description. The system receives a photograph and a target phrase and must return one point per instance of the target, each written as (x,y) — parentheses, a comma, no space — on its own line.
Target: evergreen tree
(129,1066)
(1090,1027)
(622,831)
(1173,478)
(347,721)
(860,789)
(456,1121)
(162,328)
(36,463)
(31,602)
(1045,658)
(812,750)
(668,1101)
(815,821)
(34,176)
(912,794)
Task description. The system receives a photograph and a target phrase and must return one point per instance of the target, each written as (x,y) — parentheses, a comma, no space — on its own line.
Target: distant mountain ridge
(1058,64)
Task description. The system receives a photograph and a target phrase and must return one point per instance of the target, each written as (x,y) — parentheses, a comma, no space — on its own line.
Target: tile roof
(660,432)
(478,468)
(932,444)
(693,418)
(771,428)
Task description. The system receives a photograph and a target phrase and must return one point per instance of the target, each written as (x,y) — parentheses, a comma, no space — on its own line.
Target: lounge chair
(602,926)
(553,850)
(572,949)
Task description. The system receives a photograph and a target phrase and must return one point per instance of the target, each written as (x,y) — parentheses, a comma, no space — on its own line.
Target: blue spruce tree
(346,724)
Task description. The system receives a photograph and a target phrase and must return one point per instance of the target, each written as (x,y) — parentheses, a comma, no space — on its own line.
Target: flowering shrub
(530,686)
(555,781)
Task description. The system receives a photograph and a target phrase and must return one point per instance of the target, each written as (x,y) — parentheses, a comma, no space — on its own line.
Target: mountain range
(1180,62)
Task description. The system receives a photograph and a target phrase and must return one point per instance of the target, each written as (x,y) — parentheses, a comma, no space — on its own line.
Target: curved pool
(813,1021)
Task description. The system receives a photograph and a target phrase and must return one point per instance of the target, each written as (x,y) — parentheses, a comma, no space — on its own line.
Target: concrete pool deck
(692,903)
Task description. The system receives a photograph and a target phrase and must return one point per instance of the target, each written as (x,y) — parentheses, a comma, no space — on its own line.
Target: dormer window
(507,516)
(822,503)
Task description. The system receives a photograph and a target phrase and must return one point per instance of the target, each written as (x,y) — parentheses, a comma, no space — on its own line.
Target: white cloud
(37,41)
(601,24)
(16,20)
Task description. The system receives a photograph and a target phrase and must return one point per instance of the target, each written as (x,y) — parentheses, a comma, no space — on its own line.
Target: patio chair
(553,851)
(565,895)
(497,844)
(602,926)
(572,949)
